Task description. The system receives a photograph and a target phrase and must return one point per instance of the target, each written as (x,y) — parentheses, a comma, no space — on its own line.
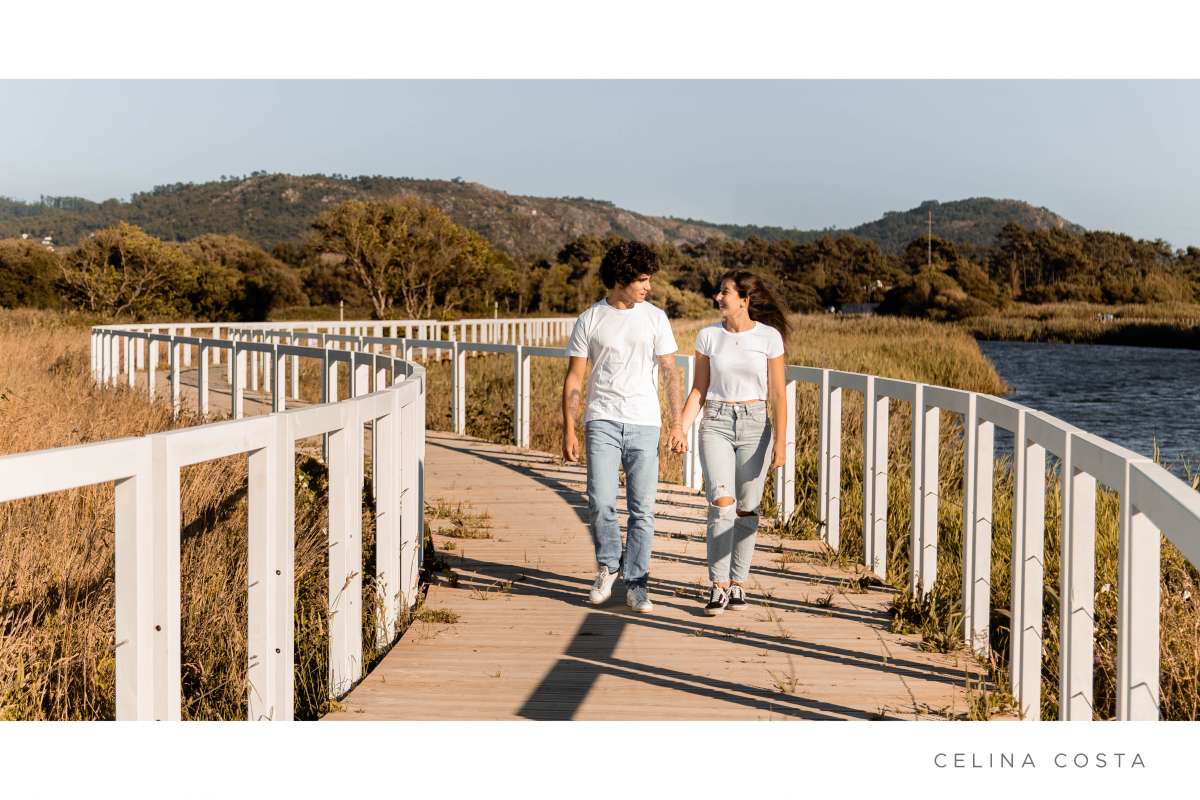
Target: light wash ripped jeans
(635,447)
(735,450)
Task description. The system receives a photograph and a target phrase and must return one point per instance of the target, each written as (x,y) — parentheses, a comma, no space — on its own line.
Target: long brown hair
(765,306)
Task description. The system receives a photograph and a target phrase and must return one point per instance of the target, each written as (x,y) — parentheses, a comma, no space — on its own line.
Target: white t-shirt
(737,362)
(622,345)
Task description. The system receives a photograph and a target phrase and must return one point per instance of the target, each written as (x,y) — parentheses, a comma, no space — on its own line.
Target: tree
(28,272)
(124,271)
(919,252)
(406,253)
(934,294)
(258,283)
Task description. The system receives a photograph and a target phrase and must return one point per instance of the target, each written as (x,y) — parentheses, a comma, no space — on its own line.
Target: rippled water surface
(1133,396)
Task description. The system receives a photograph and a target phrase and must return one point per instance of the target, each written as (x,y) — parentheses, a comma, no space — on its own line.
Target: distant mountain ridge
(272,208)
(974,221)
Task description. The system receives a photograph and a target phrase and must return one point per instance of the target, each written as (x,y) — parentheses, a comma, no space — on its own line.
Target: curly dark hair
(624,263)
(765,306)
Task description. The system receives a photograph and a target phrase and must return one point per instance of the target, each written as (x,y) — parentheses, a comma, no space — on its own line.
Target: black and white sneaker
(718,599)
(737,597)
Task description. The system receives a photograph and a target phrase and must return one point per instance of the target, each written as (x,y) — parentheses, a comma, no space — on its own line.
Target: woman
(739,366)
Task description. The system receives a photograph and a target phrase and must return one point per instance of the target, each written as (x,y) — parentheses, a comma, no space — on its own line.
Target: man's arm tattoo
(573,398)
(672,385)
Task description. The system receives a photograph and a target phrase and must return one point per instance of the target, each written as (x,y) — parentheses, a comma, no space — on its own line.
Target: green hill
(271,208)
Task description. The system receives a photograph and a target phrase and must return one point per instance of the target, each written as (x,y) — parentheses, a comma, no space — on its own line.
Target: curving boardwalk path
(528,646)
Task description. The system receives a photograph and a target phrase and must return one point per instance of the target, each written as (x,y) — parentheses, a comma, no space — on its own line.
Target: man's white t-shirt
(622,345)
(737,362)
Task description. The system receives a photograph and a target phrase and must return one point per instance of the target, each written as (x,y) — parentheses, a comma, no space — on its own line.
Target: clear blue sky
(1120,156)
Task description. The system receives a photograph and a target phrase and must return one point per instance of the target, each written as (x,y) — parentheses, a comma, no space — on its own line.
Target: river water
(1132,396)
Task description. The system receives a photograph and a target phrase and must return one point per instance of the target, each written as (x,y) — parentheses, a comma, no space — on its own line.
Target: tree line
(402,257)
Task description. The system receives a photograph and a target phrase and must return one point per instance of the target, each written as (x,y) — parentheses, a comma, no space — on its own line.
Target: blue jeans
(635,447)
(735,449)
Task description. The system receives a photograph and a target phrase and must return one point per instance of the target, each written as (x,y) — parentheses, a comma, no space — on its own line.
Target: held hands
(677,440)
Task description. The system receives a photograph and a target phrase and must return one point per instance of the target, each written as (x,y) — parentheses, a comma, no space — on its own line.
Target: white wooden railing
(1151,500)
(146,473)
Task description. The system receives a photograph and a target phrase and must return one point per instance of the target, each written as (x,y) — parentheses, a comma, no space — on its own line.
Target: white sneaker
(602,586)
(637,598)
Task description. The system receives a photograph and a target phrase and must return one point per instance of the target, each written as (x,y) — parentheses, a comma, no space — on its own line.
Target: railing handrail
(1151,498)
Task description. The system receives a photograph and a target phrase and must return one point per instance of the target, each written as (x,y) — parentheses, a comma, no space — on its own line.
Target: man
(628,341)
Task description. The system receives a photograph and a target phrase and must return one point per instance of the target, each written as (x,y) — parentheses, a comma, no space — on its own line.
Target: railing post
(152,368)
(134,543)
(173,354)
(167,619)
(693,453)
(237,394)
(254,361)
(927,537)
(418,436)
(230,363)
(823,457)
(278,380)
(270,603)
(102,357)
(216,351)
(130,374)
(689,377)
(1028,576)
(977,531)
(360,375)
(345,552)
(141,353)
(519,399)
(295,372)
(187,349)
(1077,586)
(458,389)
(329,379)
(1139,587)
(93,336)
(833,472)
(387,518)
(785,476)
(328,389)
(875,479)
(114,360)
(693,476)
(202,360)
(105,357)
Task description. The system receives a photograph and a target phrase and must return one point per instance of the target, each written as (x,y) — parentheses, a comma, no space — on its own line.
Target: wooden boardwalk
(527,645)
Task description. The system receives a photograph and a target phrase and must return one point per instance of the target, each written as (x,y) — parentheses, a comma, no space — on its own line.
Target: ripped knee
(743,513)
(722,508)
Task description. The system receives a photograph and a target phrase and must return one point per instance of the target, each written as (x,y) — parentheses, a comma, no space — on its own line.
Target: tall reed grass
(57,557)
(1150,325)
